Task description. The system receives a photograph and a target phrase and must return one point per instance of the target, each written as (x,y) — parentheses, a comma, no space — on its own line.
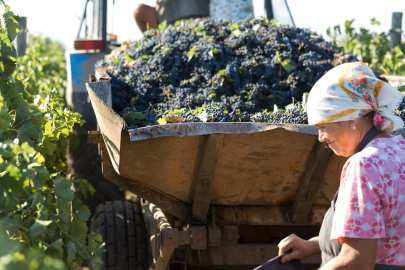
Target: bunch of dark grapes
(218,114)
(248,65)
(401,109)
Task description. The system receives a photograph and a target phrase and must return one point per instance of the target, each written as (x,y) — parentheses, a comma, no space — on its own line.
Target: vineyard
(42,219)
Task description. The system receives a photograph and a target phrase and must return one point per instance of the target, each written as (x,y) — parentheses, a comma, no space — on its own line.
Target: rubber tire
(123,229)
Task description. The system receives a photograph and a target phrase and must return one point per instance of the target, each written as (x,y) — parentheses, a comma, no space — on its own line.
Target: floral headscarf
(349,91)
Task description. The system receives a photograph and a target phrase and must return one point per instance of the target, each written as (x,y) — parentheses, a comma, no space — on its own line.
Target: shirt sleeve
(359,207)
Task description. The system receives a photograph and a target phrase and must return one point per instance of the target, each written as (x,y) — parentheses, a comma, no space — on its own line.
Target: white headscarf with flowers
(349,91)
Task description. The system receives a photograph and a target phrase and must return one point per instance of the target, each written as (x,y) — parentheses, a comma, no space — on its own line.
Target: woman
(365,226)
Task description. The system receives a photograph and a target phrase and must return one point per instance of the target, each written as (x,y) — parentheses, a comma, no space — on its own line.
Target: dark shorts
(174,10)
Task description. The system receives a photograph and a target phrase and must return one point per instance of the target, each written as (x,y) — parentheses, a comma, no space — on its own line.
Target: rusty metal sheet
(230,237)
(253,254)
(198,129)
(198,237)
(170,237)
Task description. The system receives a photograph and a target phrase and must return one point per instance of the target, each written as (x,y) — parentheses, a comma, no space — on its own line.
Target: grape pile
(243,67)
(401,109)
(212,113)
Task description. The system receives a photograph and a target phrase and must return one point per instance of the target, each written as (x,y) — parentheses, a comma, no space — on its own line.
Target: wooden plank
(264,215)
(396,30)
(205,177)
(158,198)
(94,137)
(310,183)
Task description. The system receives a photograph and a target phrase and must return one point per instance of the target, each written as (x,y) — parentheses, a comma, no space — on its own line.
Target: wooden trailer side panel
(261,168)
(111,124)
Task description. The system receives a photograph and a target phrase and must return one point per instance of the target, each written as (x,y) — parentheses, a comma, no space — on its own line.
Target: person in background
(231,9)
(169,11)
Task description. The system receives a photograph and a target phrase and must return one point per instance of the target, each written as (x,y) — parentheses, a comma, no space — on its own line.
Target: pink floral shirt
(371,200)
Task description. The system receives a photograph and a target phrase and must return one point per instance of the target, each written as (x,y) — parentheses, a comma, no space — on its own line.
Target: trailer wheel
(123,229)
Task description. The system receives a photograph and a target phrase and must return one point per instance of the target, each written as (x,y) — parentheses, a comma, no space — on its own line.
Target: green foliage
(44,66)
(42,219)
(369,47)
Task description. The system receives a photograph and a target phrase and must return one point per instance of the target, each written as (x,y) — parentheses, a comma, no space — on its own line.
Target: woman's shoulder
(381,152)
(388,147)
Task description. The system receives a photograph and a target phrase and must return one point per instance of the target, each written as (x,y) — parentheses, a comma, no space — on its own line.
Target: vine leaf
(62,189)
(12,27)
(78,230)
(28,132)
(83,213)
(39,227)
(71,251)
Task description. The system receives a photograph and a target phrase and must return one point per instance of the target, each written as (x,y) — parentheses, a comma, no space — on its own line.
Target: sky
(60,20)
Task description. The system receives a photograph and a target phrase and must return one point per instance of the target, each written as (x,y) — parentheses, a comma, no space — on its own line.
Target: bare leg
(144,15)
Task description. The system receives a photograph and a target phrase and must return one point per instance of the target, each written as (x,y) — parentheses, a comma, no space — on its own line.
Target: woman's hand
(300,248)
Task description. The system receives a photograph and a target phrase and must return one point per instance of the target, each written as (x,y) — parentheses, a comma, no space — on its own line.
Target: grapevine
(42,220)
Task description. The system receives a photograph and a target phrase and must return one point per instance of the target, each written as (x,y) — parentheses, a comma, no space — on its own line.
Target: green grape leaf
(213,52)
(21,108)
(39,227)
(289,65)
(8,66)
(83,213)
(70,251)
(85,187)
(5,118)
(132,116)
(12,27)
(62,189)
(93,240)
(7,51)
(221,73)
(78,230)
(375,22)
(191,53)
(28,132)
(128,58)
(48,147)
(17,18)
(162,26)
(242,71)
(95,237)
(39,198)
(42,176)
(96,262)
(234,26)
(13,171)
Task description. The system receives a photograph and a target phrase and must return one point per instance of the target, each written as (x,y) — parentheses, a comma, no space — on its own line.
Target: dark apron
(330,249)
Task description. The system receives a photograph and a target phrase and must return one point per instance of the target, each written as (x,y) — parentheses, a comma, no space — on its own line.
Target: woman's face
(340,136)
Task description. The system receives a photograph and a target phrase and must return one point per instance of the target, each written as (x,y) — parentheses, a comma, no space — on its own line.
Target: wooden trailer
(213,195)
